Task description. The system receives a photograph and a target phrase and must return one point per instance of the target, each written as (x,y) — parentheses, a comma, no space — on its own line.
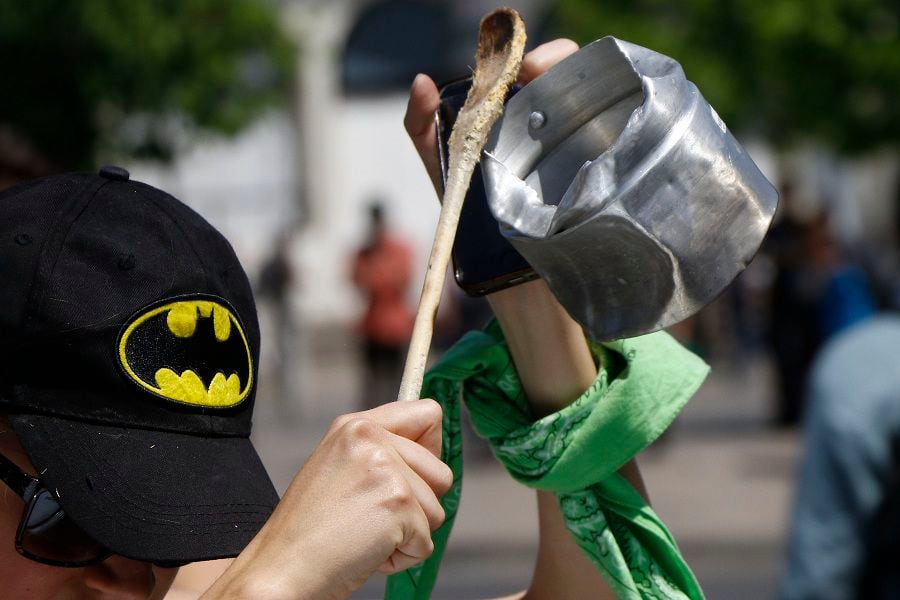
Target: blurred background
(281,123)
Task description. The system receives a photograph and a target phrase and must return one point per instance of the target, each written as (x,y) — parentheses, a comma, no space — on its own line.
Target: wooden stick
(501,43)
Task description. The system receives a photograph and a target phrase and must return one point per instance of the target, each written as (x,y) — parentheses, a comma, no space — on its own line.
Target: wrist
(547,346)
(259,577)
(250,584)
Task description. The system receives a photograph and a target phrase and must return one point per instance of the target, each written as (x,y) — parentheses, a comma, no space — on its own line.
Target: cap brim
(152,495)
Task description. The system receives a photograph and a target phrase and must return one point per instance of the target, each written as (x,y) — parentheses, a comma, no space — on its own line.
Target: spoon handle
(501,43)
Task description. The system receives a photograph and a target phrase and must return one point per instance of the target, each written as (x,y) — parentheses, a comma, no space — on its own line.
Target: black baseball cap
(129,346)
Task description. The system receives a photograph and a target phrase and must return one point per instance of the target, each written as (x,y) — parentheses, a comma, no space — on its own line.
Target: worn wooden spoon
(501,43)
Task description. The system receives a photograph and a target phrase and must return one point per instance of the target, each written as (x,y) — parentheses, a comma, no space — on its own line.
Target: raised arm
(549,351)
(555,366)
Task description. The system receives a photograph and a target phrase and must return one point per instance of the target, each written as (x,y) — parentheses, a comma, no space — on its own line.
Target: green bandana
(642,384)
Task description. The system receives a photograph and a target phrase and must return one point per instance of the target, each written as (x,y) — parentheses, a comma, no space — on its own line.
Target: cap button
(115,173)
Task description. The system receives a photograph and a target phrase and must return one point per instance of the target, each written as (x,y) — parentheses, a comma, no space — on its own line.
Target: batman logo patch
(189,350)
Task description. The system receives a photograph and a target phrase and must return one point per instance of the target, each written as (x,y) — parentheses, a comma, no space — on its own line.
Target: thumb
(424,100)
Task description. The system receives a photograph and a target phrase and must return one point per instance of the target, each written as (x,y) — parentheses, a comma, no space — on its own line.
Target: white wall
(245,186)
(369,155)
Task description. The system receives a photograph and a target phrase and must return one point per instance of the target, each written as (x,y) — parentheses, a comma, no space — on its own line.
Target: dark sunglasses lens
(48,534)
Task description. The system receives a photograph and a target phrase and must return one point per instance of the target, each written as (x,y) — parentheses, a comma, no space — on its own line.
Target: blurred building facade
(357,60)
(317,168)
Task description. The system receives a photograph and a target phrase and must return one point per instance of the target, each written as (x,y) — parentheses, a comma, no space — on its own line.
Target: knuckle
(340,422)
(437,519)
(444,479)
(399,495)
(429,547)
(433,410)
(378,460)
(359,439)
(359,428)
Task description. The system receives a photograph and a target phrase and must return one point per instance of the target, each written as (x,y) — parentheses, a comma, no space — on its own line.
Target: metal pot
(624,189)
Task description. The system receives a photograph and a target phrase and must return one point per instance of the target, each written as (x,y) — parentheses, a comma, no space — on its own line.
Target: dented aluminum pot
(624,189)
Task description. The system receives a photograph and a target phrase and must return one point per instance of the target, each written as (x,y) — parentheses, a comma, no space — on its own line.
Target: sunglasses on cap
(46,534)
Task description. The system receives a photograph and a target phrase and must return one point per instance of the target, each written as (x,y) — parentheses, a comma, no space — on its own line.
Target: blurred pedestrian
(845,296)
(793,334)
(845,534)
(382,270)
(276,281)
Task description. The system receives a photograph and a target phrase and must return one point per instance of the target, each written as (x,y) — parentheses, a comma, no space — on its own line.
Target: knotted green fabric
(641,386)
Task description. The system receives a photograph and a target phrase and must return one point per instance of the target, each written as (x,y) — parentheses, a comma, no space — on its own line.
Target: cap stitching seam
(165,210)
(89,194)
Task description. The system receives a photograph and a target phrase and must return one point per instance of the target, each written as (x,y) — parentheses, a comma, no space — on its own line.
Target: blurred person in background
(819,289)
(277,279)
(844,540)
(845,531)
(382,271)
(845,296)
(793,328)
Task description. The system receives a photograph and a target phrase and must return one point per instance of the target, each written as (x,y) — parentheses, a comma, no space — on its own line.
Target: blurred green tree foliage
(790,70)
(128,76)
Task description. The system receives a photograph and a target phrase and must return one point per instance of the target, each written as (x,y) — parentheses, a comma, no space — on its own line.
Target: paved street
(719,479)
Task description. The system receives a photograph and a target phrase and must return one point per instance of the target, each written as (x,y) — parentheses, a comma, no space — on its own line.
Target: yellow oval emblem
(192,351)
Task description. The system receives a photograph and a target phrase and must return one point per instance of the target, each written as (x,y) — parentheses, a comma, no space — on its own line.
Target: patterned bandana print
(641,386)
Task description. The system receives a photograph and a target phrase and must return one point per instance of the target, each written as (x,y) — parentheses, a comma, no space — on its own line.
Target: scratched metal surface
(624,189)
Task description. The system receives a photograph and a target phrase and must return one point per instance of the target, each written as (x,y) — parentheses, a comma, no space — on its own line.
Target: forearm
(555,366)
(547,346)
(550,352)
(250,577)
